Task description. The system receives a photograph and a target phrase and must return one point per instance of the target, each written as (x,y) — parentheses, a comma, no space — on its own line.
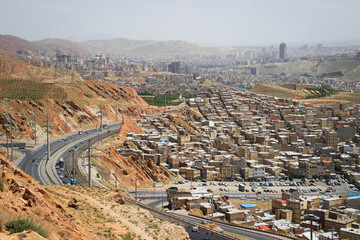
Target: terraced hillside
(76,104)
(25,88)
(15,68)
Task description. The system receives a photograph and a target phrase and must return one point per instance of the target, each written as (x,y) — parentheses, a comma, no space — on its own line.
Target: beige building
(337,224)
(349,233)
(332,202)
(247,173)
(298,207)
(286,214)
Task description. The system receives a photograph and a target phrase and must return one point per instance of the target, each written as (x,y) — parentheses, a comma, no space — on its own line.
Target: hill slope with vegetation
(276,91)
(77,103)
(348,68)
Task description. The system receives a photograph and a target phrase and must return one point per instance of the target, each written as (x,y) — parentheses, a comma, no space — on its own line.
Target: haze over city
(228,22)
(188,119)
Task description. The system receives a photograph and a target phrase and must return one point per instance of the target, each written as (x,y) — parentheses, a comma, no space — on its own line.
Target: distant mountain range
(114,47)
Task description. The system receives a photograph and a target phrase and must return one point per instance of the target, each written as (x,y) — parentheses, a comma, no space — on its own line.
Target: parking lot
(312,187)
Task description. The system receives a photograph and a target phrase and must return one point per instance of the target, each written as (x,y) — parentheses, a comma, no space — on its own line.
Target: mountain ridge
(115,47)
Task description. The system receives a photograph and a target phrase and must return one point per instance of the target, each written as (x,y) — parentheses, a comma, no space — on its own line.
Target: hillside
(127,47)
(16,68)
(335,100)
(73,212)
(10,44)
(276,91)
(66,46)
(350,68)
(78,103)
(113,47)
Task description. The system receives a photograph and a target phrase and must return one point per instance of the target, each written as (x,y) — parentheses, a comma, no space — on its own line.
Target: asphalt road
(231,229)
(34,160)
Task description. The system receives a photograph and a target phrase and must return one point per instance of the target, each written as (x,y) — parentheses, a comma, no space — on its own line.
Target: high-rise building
(283,51)
(175,67)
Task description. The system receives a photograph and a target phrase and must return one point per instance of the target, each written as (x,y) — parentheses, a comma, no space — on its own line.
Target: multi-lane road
(35,164)
(34,160)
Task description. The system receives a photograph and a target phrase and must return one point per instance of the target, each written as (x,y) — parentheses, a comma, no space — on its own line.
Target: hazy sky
(214,22)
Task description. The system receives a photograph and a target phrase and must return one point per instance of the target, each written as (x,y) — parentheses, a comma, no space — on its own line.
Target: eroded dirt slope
(74,212)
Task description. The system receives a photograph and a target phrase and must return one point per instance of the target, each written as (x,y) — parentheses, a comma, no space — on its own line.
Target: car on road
(195,229)
(37,164)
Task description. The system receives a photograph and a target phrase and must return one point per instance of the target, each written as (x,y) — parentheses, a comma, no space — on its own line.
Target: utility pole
(101,124)
(115,179)
(11,140)
(66,125)
(116,113)
(47,139)
(152,104)
(73,167)
(7,144)
(162,200)
(89,163)
(35,126)
(191,180)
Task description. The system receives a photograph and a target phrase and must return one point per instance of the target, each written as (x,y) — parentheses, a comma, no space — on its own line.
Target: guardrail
(99,137)
(230,224)
(249,229)
(191,223)
(94,140)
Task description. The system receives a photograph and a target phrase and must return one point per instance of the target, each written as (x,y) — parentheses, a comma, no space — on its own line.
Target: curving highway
(34,161)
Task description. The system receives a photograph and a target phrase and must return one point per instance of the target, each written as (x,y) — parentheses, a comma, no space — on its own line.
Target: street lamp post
(73,167)
(35,126)
(116,115)
(66,123)
(11,139)
(7,140)
(101,118)
(311,217)
(89,163)
(47,140)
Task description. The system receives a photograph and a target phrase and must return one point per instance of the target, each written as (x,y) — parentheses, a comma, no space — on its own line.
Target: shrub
(62,234)
(1,184)
(127,236)
(21,224)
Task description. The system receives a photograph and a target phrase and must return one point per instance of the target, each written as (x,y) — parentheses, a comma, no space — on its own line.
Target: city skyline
(232,22)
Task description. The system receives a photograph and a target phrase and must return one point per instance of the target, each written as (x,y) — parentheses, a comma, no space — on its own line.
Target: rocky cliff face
(127,169)
(74,212)
(22,196)
(78,105)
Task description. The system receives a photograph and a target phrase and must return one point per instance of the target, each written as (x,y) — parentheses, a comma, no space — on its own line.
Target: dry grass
(276,91)
(335,100)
